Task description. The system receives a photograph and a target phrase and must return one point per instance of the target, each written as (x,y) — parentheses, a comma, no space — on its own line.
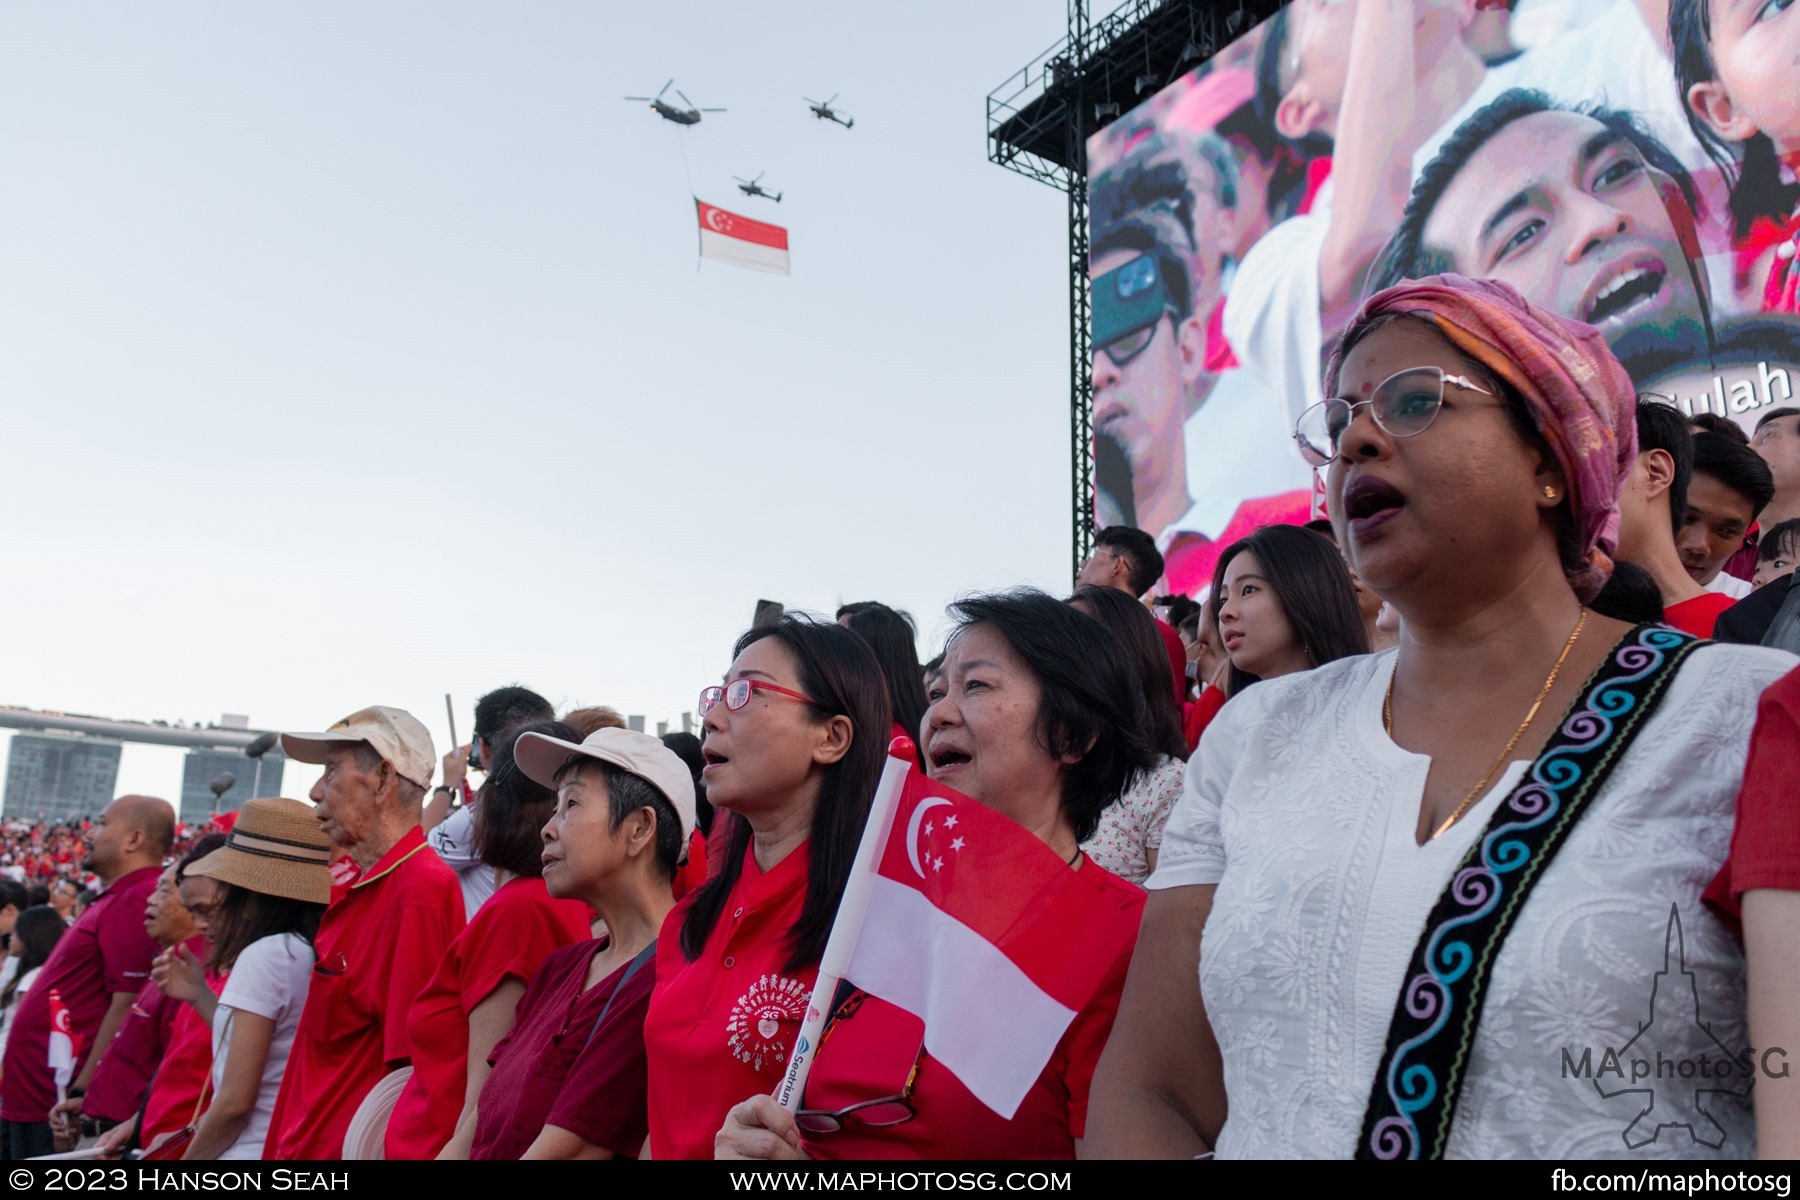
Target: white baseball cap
(540,757)
(394,733)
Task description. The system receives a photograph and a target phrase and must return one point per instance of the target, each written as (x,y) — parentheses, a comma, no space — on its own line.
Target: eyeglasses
(1404,404)
(1127,347)
(883,1113)
(736,694)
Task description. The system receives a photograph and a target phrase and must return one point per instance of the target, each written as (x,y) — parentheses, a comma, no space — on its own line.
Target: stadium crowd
(1365,837)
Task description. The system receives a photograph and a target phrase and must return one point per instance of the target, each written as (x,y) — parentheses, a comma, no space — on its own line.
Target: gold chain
(1387,721)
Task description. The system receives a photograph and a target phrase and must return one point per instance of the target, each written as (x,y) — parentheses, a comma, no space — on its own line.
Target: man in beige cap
(394,908)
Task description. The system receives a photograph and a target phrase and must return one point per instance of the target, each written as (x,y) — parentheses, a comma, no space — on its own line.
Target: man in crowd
(394,907)
(1653,506)
(452,833)
(63,895)
(1777,440)
(96,970)
(1127,560)
(1730,486)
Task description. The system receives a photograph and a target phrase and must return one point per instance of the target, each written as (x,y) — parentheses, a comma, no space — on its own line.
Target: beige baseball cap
(541,757)
(394,733)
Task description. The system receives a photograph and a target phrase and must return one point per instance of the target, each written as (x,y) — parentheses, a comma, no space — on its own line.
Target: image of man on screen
(1577,206)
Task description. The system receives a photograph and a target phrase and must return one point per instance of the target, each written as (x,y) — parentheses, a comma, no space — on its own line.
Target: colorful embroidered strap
(1413,1097)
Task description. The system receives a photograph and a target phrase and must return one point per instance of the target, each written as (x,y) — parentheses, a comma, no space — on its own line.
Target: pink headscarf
(1580,398)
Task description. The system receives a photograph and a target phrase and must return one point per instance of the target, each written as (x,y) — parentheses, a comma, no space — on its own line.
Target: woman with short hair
(1414,884)
(1039,716)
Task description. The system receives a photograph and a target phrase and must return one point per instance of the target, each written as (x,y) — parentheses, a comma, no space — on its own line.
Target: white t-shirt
(1272,314)
(1302,811)
(269,979)
(1726,584)
(454,840)
(6,1017)
(1132,825)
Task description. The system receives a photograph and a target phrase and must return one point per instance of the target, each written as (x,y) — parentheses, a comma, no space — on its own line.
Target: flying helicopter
(824,111)
(669,111)
(752,187)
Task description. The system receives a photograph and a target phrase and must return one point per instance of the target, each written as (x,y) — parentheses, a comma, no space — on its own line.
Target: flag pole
(847,926)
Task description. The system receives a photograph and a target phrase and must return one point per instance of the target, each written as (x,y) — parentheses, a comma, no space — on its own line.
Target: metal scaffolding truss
(1040,119)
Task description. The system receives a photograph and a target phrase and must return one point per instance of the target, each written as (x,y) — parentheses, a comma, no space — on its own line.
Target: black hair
(839,672)
(686,747)
(1092,704)
(14,894)
(1407,257)
(514,807)
(893,637)
(38,928)
(1136,630)
(503,708)
(1312,586)
(1737,466)
(1630,595)
(37,895)
(247,916)
(1775,414)
(1660,426)
(627,793)
(1322,527)
(1781,540)
(1183,610)
(1571,554)
(1758,187)
(1267,98)
(1709,422)
(200,849)
(1144,183)
(1139,551)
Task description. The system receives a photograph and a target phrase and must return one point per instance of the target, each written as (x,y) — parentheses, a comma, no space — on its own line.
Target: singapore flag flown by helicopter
(742,241)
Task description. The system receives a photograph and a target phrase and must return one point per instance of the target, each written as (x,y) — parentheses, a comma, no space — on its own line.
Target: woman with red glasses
(794,741)
(1039,715)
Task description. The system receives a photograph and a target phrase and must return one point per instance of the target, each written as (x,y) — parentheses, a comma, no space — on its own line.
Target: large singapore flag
(966,926)
(743,241)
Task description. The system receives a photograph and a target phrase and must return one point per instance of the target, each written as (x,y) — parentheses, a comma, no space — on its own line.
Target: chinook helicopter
(669,111)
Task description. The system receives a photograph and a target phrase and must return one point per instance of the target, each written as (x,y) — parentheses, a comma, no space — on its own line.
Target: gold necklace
(1387,721)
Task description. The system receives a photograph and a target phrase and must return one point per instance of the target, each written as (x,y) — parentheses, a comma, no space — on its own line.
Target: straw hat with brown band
(277,848)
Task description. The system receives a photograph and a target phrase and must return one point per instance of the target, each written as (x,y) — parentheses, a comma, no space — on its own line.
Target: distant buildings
(60,775)
(204,766)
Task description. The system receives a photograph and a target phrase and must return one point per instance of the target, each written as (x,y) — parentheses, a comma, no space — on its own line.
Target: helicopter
(824,111)
(751,187)
(674,112)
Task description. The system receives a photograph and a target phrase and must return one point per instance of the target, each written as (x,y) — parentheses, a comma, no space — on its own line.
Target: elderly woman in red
(1038,715)
(794,742)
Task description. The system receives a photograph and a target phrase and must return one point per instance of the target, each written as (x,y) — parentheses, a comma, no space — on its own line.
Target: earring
(1549,492)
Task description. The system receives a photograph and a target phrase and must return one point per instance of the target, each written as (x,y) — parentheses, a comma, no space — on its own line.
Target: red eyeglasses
(736,694)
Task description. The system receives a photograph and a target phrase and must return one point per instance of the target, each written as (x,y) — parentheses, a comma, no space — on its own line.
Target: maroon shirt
(549,1071)
(105,952)
(123,1074)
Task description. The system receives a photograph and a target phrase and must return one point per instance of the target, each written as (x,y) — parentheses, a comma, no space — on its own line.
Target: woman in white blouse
(1418,904)
(276,881)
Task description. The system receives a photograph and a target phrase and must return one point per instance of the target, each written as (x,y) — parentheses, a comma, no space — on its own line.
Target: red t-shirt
(868,1052)
(692,873)
(1200,714)
(1177,658)
(720,1027)
(123,1073)
(104,953)
(1697,616)
(509,938)
(558,1068)
(186,1066)
(1765,843)
(381,938)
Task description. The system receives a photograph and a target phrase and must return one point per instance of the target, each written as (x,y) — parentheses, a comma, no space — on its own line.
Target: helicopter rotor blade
(666,87)
(684,98)
(710,109)
(644,99)
(812,102)
(834,97)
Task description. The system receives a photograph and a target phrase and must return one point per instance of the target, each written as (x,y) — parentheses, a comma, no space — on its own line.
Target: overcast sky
(355,353)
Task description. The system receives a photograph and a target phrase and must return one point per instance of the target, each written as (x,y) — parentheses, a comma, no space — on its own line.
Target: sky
(356,353)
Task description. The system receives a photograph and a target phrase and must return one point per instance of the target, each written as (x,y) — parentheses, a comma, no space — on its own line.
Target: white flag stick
(846,928)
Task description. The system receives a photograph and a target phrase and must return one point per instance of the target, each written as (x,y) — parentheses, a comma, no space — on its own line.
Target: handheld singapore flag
(742,241)
(64,1046)
(961,917)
